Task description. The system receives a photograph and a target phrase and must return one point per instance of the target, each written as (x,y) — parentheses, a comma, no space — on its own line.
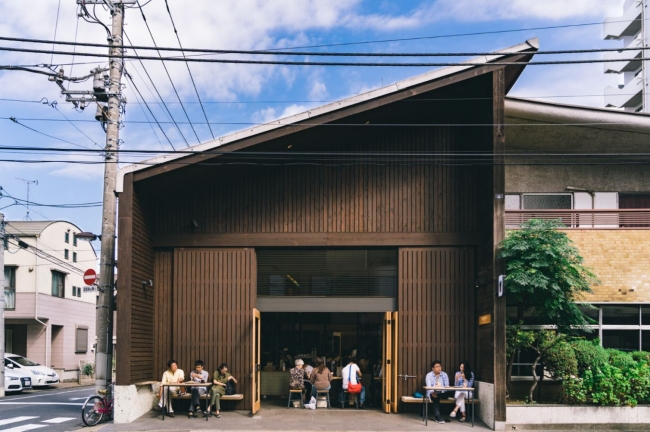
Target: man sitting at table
(198,375)
(172,375)
(437,378)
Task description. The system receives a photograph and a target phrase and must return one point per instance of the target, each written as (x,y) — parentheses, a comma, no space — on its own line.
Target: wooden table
(185,384)
(425,399)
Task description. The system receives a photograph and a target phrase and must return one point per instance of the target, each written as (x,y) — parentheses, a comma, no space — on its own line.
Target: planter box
(86,379)
(517,415)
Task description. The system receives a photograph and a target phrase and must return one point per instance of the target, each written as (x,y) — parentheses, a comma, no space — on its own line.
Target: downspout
(36,305)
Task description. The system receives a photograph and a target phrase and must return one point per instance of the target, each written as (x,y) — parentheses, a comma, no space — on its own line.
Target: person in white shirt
(172,375)
(352,374)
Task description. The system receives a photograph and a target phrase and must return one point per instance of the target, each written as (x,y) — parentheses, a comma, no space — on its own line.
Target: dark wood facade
(193,230)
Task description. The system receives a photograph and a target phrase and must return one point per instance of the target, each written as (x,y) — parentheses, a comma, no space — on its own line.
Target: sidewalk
(283,419)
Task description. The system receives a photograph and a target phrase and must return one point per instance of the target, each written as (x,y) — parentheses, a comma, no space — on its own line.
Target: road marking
(25,428)
(15,420)
(40,403)
(52,394)
(81,398)
(58,420)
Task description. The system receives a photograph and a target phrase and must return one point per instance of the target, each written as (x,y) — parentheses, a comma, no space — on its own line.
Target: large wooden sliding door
(212,312)
(257,361)
(389,354)
(436,312)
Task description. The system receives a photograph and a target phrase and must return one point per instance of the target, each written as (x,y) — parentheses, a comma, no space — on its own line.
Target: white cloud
(317,87)
(293,109)
(492,10)
(264,115)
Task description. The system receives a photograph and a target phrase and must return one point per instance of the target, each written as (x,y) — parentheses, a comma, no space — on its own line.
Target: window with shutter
(81,339)
(58,284)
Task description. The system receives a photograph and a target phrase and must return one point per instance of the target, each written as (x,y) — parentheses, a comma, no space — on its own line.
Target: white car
(41,376)
(16,381)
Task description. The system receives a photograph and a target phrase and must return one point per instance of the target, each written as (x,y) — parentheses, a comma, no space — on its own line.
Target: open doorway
(288,336)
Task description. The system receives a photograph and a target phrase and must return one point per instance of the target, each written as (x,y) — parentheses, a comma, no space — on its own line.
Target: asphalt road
(52,409)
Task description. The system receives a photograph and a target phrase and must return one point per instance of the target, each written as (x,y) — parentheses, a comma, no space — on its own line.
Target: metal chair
(302,397)
(327,393)
(356,399)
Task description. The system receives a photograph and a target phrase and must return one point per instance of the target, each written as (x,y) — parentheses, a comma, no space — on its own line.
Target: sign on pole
(90,277)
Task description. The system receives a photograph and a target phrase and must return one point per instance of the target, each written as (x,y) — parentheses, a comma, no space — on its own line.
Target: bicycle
(97,407)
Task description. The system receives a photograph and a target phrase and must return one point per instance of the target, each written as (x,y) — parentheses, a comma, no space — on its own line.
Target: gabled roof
(528,47)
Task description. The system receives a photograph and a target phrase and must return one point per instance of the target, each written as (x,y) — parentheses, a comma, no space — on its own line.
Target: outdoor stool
(356,399)
(326,393)
(302,398)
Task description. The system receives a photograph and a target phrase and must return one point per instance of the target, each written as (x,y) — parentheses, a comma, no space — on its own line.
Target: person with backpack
(224,384)
(352,382)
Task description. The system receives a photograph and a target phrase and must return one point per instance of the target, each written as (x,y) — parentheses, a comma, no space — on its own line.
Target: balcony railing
(584,219)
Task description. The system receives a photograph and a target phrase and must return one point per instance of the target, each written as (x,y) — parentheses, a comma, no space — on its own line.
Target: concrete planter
(86,379)
(521,415)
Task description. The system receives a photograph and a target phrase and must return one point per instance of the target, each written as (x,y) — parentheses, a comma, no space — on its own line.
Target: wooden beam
(125,269)
(315,239)
(498,198)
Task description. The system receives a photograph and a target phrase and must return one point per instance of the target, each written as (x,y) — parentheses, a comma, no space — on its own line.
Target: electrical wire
(54,105)
(13,119)
(144,18)
(74,49)
(159,96)
(31,203)
(188,68)
(207,51)
(341,64)
(128,76)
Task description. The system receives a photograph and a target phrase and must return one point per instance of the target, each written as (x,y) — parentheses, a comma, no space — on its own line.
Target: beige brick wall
(621,260)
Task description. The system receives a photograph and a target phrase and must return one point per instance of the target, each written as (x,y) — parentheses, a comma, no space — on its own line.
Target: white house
(50,313)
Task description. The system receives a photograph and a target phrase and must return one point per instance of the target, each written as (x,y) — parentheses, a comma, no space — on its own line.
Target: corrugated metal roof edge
(9,225)
(330,107)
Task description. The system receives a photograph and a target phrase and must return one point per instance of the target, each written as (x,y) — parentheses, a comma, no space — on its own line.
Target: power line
(56,26)
(275,52)
(24,205)
(188,67)
(128,76)
(138,97)
(342,64)
(144,18)
(54,105)
(13,119)
(158,93)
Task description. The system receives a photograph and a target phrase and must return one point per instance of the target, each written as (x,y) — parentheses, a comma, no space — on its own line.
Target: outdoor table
(425,399)
(185,384)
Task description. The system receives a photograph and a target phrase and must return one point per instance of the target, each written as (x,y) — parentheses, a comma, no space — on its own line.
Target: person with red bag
(352,382)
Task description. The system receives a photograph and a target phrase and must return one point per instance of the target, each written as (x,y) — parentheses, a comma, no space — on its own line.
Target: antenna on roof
(28,182)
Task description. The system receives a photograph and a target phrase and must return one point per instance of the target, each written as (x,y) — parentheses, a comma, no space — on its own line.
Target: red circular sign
(90,277)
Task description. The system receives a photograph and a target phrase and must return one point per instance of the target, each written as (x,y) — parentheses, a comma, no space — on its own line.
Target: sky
(254,93)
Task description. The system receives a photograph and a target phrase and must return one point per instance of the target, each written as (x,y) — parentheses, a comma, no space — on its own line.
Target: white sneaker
(452,414)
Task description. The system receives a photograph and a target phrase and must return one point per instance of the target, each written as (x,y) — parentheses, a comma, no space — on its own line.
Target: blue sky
(259,93)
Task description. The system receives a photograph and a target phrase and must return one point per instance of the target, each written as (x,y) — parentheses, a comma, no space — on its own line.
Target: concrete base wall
(566,414)
(133,401)
(486,407)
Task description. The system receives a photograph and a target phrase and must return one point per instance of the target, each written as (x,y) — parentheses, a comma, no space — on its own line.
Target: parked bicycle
(97,408)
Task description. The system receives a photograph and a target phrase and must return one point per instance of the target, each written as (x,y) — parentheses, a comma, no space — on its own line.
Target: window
(81,340)
(74,291)
(621,315)
(74,256)
(548,201)
(624,340)
(67,237)
(78,291)
(10,288)
(66,254)
(74,239)
(58,284)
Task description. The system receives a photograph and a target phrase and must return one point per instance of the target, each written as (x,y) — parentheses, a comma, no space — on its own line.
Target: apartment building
(632,92)
(50,313)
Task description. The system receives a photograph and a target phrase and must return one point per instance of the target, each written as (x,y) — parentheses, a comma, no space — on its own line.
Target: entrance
(335,338)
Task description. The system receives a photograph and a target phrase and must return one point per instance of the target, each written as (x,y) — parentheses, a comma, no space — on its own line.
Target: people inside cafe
(172,375)
(352,375)
(321,377)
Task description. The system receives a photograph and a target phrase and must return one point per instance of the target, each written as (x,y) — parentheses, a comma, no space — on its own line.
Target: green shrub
(561,361)
(88,369)
(641,356)
(620,359)
(589,354)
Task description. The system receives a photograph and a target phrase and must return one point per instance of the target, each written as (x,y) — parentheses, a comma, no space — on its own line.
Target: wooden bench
(411,399)
(235,397)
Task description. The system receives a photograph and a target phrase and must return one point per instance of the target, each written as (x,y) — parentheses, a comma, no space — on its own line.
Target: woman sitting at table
(220,380)
(464,378)
(321,377)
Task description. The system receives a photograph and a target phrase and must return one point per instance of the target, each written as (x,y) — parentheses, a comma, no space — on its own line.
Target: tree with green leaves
(545,277)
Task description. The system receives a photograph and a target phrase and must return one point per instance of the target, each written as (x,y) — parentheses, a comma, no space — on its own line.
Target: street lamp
(87,236)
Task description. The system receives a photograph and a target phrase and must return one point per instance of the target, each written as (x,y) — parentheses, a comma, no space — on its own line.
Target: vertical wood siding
(212,314)
(380,197)
(163,306)
(436,312)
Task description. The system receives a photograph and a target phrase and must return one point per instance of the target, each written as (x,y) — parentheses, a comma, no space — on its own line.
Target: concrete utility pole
(104,351)
(2,302)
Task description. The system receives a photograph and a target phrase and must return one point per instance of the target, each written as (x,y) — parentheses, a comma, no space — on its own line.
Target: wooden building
(375,171)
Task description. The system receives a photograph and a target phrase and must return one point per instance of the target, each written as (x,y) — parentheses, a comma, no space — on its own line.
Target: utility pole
(110,116)
(2,302)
